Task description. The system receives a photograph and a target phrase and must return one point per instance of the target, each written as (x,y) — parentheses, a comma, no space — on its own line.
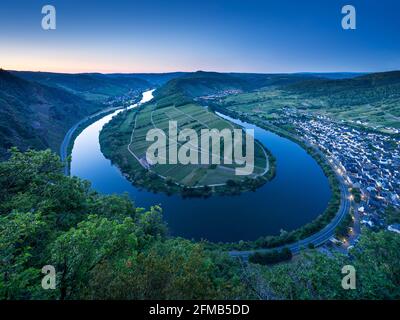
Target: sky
(262,36)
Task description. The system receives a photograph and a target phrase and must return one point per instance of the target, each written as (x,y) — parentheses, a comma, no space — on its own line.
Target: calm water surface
(298,194)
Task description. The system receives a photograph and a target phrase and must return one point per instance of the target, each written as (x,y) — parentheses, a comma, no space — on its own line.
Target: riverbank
(187,180)
(312,234)
(274,206)
(69,138)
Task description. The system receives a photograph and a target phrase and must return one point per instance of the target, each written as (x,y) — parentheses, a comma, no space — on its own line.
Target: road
(70,133)
(316,239)
(321,236)
(146,96)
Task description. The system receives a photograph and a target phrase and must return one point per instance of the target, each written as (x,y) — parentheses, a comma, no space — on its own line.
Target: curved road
(316,239)
(146,96)
(321,236)
(70,133)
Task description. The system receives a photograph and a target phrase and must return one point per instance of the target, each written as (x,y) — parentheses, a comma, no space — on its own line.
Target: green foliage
(33,181)
(392,215)
(112,206)
(174,269)
(360,90)
(129,129)
(377,258)
(89,86)
(271,257)
(370,101)
(201,83)
(19,233)
(306,230)
(356,194)
(108,249)
(101,246)
(76,252)
(36,116)
(312,276)
(315,275)
(342,230)
(151,222)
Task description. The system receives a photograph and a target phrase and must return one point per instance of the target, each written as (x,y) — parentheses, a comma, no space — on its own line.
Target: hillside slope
(371,87)
(370,100)
(91,86)
(202,83)
(36,116)
(155,79)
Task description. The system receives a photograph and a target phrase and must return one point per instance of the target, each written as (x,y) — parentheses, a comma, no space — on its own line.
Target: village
(368,161)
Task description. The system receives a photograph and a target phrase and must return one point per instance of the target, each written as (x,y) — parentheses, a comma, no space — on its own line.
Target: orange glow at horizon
(67,61)
(64,67)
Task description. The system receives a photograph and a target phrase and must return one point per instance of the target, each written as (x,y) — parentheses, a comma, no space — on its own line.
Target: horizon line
(193,71)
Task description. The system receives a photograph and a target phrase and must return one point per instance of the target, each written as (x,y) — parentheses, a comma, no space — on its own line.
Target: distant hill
(259,80)
(37,116)
(91,86)
(362,81)
(368,88)
(202,83)
(371,99)
(155,79)
(333,75)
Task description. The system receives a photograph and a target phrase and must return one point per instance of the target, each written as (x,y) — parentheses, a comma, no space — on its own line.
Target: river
(297,195)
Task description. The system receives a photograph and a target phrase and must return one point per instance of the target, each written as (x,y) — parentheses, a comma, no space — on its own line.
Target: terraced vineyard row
(195,117)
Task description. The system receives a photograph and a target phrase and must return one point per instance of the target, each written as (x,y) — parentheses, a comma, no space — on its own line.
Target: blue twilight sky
(220,35)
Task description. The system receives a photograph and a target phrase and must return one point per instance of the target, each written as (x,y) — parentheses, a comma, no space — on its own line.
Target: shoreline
(253,243)
(323,234)
(169,187)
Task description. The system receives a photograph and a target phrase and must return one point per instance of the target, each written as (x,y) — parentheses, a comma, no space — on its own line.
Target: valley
(134,125)
(296,149)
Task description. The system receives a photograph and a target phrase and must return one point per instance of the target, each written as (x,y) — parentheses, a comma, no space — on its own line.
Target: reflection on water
(297,195)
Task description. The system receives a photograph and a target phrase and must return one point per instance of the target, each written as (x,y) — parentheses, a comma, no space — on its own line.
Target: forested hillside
(155,79)
(369,88)
(103,247)
(203,83)
(91,86)
(36,116)
(372,99)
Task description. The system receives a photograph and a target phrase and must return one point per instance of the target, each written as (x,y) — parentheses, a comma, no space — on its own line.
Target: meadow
(124,141)
(371,102)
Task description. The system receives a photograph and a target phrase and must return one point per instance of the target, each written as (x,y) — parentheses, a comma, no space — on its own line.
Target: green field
(190,116)
(369,107)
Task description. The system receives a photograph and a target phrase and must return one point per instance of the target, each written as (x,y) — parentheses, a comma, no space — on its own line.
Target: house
(394,227)
(367,222)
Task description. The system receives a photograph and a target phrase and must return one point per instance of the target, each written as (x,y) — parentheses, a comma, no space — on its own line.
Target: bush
(271,257)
